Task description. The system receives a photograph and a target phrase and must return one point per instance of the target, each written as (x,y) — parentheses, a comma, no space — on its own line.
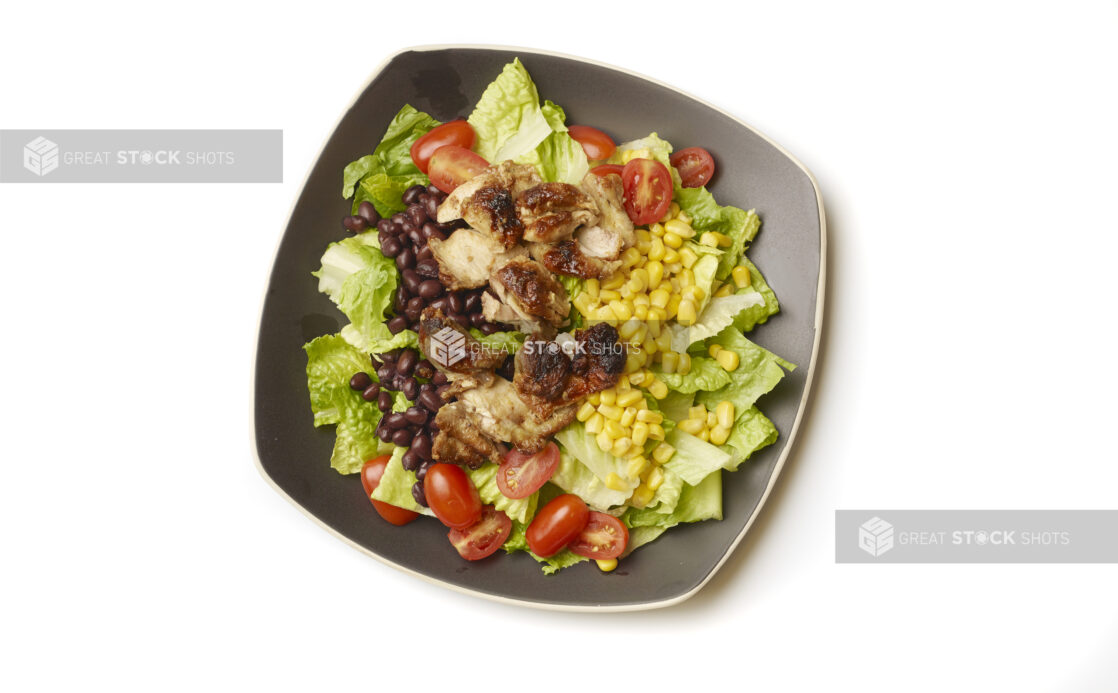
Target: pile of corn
(711,426)
(622,424)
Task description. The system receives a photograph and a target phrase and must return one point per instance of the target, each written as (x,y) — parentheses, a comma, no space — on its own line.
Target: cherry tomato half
(522,475)
(457,132)
(648,190)
(483,537)
(556,524)
(451,166)
(695,166)
(604,537)
(370,479)
(452,496)
(606,169)
(597,144)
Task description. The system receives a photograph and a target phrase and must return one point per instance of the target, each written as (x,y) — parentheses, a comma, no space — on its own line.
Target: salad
(546,348)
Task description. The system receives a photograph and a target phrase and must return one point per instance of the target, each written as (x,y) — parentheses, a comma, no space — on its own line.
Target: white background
(966,153)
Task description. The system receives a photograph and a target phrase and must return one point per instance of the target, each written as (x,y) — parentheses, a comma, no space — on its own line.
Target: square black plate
(753,172)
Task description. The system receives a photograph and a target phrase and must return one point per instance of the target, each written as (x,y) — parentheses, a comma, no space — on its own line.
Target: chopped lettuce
(694,459)
(705,376)
(582,446)
(708,215)
(666,498)
(639,536)
(752,431)
(485,479)
(676,405)
(383,176)
(395,485)
(718,314)
(362,281)
(696,503)
(755,315)
(574,477)
(758,372)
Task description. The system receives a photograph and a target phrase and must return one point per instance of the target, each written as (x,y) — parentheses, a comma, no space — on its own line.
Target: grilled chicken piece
(547,376)
(468,257)
(488,201)
(550,212)
(531,292)
(459,440)
(501,413)
(455,352)
(614,230)
(567,257)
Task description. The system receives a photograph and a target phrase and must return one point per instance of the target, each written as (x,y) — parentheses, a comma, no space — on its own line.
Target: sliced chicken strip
(529,289)
(613,220)
(550,212)
(567,257)
(502,414)
(468,257)
(488,201)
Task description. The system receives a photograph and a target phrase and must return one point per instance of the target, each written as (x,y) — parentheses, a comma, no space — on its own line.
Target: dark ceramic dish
(446,81)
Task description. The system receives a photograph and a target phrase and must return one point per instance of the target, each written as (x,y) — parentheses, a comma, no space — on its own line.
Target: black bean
(398,324)
(355,224)
(424,387)
(417,214)
(433,189)
(427,268)
(406,363)
(507,369)
(384,401)
(374,361)
(395,420)
(416,415)
(415,236)
(368,212)
(370,393)
(382,237)
(417,493)
(401,301)
(439,379)
(432,288)
(386,227)
(442,390)
(412,193)
(416,304)
(411,460)
(391,355)
(459,318)
(401,437)
(412,281)
(430,230)
(431,205)
(384,373)
(421,444)
(442,304)
(399,218)
(421,198)
(488,328)
(391,246)
(472,304)
(431,400)
(406,227)
(455,302)
(384,433)
(406,259)
(413,313)
(424,369)
(425,253)
(477,320)
(410,388)
(360,381)
(421,473)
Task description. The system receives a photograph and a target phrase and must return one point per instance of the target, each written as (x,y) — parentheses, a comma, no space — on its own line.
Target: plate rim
(820,306)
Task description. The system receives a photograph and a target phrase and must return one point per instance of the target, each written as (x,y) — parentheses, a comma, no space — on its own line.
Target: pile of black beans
(365,218)
(403,237)
(401,370)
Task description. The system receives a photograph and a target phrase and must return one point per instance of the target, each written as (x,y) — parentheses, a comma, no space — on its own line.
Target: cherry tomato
(597,144)
(606,169)
(695,166)
(648,190)
(451,166)
(457,132)
(370,479)
(452,496)
(483,537)
(556,524)
(522,475)
(604,537)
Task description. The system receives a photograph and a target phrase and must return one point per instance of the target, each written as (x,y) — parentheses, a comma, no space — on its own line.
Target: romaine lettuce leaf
(708,215)
(757,373)
(755,315)
(639,536)
(574,477)
(395,485)
(719,313)
(582,446)
(666,498)
(705,376)
(383,176)
(752,431)
(362,281)
(696,503)
(694,459)
(485,480)
(508,105)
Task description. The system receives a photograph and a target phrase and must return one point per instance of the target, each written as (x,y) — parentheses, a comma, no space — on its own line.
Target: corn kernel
(657,389)
(630,257)
(728,359)
(673,304)
(669,361)
(656,229)
(615,482)
(711,419)
(713,350)
(592,287)
(656,431)
(664,341)
(704,435)
(641,335)
(648,347)
(655,271)
(605,443)
(663,453)
(695,293)
(614,430)
(630,413)
(585,412)
(726,289)
(637,377)
(697,412)
(672,240)
(608,396)
(709,239)
(656,250)
(656,314)
(686,277)
(584,303)
(725,411)
(643,236)
(641,497)
(626,292)
(604,314)
(671,256)
(595,424)
(688,314)
(684,364)
(611,412)
(684,217)
(649,416)
(673,210)
(622,384)
(659,298)
(595,398)
(620,447)
(632,363)
(636,466)
(620,310)
(606,564)
(640,433)
(692,426)
(638,279)
(741,276)
(641,299)
(719,435)
(724,241)
(679,228)
(655,478)
(628,329)
(629,398)
(688,257)
(614,282)
(607,295)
